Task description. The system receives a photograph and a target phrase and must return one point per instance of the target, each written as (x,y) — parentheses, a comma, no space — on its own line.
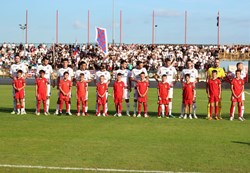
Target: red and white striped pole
(26,35)
(120,27)
(88,34)
(56,26)
(153,28)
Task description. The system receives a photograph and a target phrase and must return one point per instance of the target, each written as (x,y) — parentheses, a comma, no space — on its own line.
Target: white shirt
(169,71)
(192,72)
(106,75)
(85,72)
(126,74)
(61,71)
(48,70)
(135,74)
(15,67)
(242,74)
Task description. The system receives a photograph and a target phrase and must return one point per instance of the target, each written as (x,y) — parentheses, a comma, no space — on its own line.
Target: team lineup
(125,81)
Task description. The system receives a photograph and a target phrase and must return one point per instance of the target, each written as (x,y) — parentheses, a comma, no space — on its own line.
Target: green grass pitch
(125,142)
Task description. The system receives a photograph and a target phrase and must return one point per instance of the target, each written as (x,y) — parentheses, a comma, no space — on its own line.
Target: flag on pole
(102,39)
(218,19)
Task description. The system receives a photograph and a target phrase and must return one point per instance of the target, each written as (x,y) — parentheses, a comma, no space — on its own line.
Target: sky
(136,21)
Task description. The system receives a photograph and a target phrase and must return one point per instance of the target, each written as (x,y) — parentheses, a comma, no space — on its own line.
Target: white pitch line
(247,92)
(83,169)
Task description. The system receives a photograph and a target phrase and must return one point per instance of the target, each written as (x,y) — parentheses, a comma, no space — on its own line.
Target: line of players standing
(130,79)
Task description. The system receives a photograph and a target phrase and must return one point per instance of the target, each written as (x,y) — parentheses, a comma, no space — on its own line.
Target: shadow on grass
(93,112)
(244,143)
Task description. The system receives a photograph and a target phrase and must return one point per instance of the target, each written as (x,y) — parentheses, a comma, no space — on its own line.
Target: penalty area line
(83,169)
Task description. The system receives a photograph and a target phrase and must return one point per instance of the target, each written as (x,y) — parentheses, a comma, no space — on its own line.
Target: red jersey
(41,85)
(142,87)
(65,85)
(19,83)
(101,88)
(188,91)
(214,89)
(237,85)
(81,88)
(118,89)
(163,89)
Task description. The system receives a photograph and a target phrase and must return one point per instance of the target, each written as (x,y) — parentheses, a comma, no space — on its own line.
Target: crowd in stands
(151,55)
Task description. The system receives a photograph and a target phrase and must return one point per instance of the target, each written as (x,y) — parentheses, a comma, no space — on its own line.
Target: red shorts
(81,99)
(41,96)
(64,98)
(188,102)
(163,101)
(233,99)
(19,94)
(142,99)
(213,99)
(101,100)
(118,100)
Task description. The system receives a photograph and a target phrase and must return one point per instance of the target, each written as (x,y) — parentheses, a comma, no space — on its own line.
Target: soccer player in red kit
(163,89)
(65,90)
(19,85)
(118,90)
(41,92)
(237,88)
(214,94)
(188,96)
(101,89)
(81,87)
(142,88)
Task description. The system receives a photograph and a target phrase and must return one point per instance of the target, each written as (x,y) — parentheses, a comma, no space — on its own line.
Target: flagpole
(120,27)
(88,25)
(113,22)
(218,29)
(56,26)
(185,39)
(26,36)
(153,28)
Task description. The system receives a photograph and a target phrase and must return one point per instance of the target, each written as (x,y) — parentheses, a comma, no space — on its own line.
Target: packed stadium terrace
(151,55)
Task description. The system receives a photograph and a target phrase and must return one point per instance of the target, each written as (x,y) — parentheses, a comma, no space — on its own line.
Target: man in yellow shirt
(220,75)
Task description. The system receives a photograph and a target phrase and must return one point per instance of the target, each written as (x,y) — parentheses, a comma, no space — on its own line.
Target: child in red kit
(81,87)
(19,85)
(142,88)
(163,89)
(101,89)
(237,88)
(41,92)
(65,91)
(188,96)
(118,90)
(214,94)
